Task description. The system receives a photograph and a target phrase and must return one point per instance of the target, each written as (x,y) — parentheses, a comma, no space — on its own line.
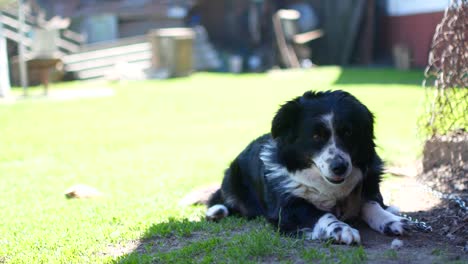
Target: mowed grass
(149,145)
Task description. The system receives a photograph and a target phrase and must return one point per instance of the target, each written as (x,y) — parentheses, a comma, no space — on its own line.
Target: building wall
(107,20)
(414,7)
(411,24)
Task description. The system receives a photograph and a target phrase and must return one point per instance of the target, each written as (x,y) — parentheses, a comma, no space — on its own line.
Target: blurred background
(93,39)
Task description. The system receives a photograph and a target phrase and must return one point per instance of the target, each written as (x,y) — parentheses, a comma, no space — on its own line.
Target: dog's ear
(285,121)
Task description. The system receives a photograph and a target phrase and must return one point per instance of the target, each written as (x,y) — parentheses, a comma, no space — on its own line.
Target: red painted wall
(414,31)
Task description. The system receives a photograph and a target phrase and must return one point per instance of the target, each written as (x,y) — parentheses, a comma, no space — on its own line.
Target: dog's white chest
(310,185)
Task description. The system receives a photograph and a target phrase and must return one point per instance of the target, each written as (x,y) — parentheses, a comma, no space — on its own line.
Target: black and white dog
(317,168)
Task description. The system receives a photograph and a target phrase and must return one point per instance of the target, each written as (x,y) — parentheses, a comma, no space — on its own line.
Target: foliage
(447,74)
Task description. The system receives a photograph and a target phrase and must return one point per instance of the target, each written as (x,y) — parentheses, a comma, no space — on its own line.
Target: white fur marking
(310,185)
(330,151)
(266,155)
(217,212)
(329,227)
(383,221)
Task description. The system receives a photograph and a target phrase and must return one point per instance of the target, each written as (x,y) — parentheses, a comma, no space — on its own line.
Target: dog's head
(331,132)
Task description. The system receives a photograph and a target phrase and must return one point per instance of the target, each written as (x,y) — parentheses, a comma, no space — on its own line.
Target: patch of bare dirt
(417,248)
(448,237)
(122,249)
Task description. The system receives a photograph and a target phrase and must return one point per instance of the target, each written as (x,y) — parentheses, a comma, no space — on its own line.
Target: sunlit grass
(151,143)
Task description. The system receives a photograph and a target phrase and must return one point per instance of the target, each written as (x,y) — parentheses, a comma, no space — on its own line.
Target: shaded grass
(251,242)
(149,145)
(250,247)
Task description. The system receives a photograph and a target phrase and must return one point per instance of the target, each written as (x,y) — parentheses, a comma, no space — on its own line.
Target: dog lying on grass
(316,169)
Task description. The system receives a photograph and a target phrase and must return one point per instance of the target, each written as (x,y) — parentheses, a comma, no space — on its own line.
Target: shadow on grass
(237,240)
(232,240)
(353,76)
(161,239)
(184,241)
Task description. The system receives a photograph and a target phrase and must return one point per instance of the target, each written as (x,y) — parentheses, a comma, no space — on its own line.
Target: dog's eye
(318,136)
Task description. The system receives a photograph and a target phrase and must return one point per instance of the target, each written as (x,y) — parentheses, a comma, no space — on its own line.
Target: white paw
(397,226)
(216,212)
(328,227)
(344,234)
(384,221)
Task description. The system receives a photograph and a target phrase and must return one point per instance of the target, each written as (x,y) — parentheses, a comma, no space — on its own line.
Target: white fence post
(4,72)
(23,69)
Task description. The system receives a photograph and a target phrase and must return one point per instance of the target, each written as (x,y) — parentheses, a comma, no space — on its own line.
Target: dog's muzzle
(338,168)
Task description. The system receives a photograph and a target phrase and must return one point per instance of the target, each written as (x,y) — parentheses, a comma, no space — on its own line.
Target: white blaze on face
(330,151)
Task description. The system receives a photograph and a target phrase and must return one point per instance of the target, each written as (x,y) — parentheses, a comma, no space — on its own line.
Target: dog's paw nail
(345,234)
(396,228)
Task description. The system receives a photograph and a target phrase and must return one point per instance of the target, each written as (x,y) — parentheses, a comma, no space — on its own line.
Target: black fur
(248,192)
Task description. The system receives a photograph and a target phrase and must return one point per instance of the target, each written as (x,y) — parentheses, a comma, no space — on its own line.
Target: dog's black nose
(339,167)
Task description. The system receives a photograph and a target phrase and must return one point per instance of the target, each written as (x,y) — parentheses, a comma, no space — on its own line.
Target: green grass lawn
(150,144)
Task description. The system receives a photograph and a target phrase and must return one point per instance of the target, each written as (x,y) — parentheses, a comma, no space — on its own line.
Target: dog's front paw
(395,227)
(383,221)
(328,227)
(344,234)
(216,212)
